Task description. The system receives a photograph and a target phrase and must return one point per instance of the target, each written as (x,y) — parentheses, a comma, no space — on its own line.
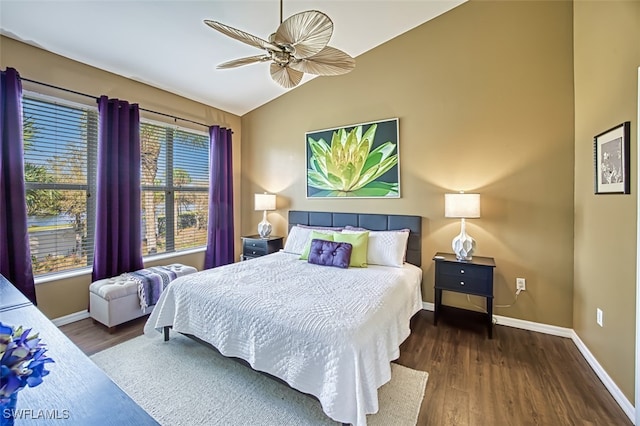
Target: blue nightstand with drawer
(473,277)
(254,246)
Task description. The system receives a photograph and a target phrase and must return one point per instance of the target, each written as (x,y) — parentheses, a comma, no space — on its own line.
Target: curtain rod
(96,97)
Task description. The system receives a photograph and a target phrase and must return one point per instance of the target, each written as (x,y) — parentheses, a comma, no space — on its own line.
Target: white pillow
(299,237)
(386,248)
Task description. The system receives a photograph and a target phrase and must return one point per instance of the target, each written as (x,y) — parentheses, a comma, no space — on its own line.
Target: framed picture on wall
(355,161)
(611,158)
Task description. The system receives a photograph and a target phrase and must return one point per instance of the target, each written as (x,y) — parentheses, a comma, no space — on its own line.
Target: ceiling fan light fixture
(298,46)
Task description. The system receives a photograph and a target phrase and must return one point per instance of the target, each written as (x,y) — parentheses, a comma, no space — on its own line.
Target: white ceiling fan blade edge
(242,36)
(243,61)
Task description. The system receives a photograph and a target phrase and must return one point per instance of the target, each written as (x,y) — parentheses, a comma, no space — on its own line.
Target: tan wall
(63,297)
(607,57)
(484,95)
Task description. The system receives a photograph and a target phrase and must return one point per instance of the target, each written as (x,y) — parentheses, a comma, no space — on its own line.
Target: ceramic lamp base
(463,245)
(264,227)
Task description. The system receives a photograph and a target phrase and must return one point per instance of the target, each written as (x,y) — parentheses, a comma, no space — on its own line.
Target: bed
(328,332)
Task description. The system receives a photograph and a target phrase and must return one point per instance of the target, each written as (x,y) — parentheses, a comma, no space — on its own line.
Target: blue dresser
(76,392)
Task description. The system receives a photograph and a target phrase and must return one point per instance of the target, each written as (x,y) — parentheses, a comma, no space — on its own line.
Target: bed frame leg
(166,333)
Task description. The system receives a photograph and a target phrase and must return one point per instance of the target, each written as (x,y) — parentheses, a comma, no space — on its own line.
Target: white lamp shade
(265,202)
(462,205)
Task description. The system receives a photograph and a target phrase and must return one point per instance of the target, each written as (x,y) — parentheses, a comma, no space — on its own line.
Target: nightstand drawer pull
(462,271)
(461,282)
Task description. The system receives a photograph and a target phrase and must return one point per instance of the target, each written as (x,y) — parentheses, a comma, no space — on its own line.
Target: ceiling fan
(298,46)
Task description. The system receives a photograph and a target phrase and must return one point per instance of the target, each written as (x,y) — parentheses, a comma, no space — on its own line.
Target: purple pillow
(330,253)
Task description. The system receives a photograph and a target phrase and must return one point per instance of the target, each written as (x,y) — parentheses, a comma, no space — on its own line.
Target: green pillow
(315,235)
(360,243)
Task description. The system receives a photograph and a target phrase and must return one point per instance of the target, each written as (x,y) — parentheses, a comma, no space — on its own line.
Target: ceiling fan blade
(242,36)
(330,61)
(243,61)
(307,32)
(285,76)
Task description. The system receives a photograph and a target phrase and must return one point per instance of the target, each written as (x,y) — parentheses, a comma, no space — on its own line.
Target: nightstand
(254,246)
(473,276)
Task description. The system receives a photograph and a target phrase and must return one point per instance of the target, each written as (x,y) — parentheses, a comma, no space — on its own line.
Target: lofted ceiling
(164,43)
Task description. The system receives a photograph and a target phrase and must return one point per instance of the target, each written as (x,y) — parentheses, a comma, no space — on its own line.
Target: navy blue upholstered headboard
(374,222)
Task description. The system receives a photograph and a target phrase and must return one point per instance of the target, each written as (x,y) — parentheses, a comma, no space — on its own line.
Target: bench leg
(166,333)
(112,329)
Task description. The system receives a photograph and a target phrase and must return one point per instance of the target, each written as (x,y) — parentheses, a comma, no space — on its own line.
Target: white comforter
(326,331)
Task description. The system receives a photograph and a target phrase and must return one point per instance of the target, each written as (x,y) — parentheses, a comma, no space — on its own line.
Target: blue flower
(22,360)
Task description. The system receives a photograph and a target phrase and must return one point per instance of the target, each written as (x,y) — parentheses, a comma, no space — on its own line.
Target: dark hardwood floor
(92,337)
(517,378)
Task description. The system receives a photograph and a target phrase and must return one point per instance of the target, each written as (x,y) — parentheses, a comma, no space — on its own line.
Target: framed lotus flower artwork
(355,161)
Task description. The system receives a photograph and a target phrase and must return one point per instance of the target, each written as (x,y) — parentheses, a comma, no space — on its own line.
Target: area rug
(183,382)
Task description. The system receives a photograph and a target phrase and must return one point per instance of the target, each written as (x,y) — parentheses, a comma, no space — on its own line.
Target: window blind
(60,142)
(175,184)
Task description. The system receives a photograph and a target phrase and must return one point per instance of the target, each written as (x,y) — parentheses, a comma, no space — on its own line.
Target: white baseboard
(68,319)
(613,389)
(569,333)
(523,324)
(534,326)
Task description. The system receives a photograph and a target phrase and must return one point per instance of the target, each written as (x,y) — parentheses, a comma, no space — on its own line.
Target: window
(59,148)
(175,185)
(60,157)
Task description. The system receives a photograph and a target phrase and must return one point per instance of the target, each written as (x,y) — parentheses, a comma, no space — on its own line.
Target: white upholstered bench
(115,300)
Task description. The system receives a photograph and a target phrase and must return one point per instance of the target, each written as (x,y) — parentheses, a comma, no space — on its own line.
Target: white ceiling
(165,43)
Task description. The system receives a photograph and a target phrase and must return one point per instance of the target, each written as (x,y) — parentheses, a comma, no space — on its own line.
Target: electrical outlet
(599,317)
(521,284)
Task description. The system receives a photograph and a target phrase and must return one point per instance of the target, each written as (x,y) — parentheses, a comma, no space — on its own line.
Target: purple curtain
(118,238)
(15,255)
(220,239)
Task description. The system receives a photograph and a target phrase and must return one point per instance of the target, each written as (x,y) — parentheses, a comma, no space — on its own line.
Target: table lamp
(462,206)
(265,202)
